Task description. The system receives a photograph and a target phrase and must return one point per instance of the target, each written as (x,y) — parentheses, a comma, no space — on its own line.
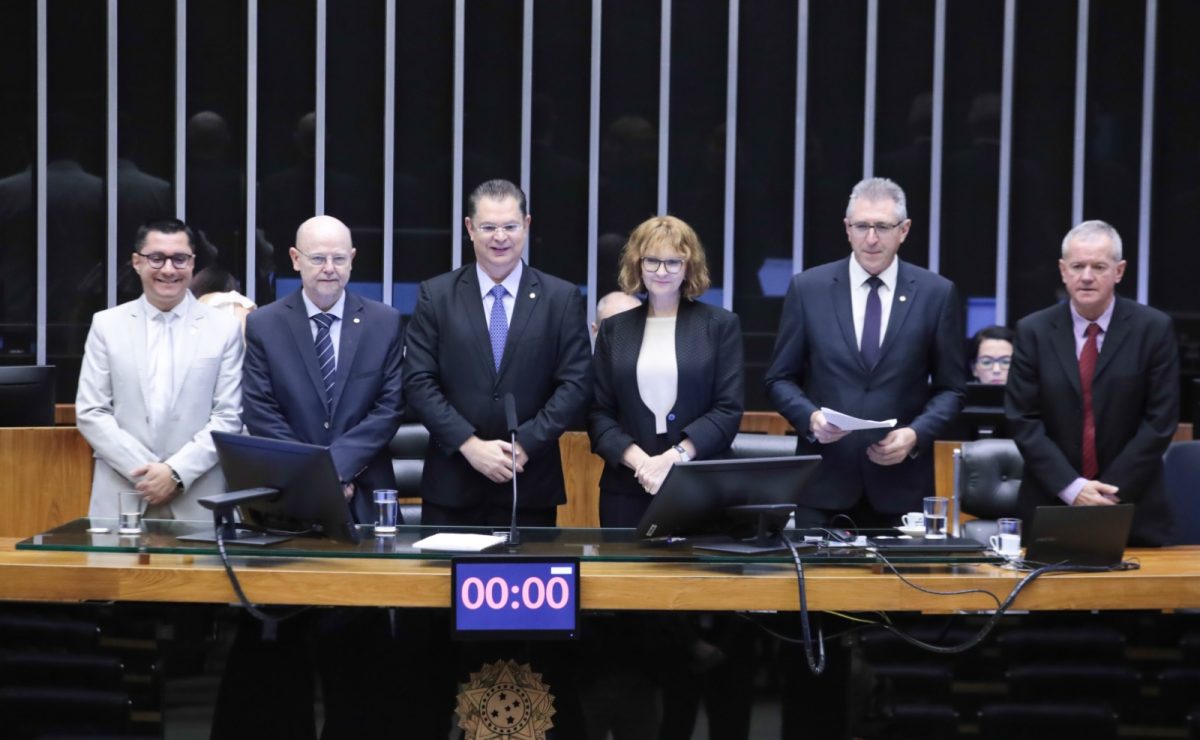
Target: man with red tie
(1093,392)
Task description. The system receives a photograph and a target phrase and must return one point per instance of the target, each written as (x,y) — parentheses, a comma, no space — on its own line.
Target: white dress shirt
(511,283)
(335,329)
(657,370)
(859,290)
(162,344)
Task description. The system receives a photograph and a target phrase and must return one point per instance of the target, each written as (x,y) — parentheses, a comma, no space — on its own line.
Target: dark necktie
(1087,370)
(869,347)
(325,357)
(498,326)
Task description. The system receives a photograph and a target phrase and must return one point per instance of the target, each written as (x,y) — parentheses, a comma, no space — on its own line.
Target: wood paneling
(45,478)
(1168,579)
(581,468)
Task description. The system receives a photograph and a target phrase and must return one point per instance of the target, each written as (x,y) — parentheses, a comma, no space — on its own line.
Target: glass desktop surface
(160,536)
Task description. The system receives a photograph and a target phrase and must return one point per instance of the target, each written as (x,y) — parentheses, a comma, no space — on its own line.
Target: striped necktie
(325,358)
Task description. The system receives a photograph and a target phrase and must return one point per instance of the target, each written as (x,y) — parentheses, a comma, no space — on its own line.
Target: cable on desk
(815,665)
(271,621)
(1003,607)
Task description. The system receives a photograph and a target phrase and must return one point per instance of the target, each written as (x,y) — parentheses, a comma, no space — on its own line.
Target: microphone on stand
(510,415)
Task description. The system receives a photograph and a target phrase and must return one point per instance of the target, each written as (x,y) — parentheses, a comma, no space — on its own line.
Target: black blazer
(283,396)
(708,406)
(1135,399)
(455,390)
(918,380)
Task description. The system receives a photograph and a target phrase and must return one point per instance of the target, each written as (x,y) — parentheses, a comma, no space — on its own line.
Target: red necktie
(1087,369)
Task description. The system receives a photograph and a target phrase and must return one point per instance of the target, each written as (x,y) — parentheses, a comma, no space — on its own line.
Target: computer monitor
(310,496)
(983,411)
(697,497)
(27,396)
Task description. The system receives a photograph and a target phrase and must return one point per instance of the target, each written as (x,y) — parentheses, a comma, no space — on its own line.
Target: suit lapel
(353,326)
(1062,337)
(187,345)
(1118,332)
(840,296)
(902,299)
(298,323)
(137,348)
(470,304)
(528,297)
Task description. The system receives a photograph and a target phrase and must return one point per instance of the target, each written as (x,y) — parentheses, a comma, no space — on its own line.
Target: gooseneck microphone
(510,415)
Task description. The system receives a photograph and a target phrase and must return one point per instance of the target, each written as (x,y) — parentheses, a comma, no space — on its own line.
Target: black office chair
(407,450)
(1181,474)
(1075,642)
(1044,721)
(919,721)
(1118,686)
(989,476)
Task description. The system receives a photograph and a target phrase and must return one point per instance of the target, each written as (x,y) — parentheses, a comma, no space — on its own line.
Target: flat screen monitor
(310,496)
(984,410)
(696,497)
(27,396)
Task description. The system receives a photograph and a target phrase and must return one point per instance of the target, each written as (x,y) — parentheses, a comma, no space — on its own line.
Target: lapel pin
(357,320)
(903,298)
(532,296)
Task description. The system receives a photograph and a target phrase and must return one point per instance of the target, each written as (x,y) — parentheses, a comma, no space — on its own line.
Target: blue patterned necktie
(498,326)
(871,321)
(325,357)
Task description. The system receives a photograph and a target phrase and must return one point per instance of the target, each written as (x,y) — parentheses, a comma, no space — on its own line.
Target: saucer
(912,530)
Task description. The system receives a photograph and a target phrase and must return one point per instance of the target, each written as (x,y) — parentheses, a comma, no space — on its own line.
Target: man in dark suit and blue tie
(481,332)
(1093,393)
(876,338)
(323,368)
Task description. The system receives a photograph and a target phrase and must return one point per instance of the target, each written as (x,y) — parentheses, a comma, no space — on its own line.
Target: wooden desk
(1169,579)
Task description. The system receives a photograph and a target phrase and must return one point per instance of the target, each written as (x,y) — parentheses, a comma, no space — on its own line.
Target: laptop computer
(920,545)
(1079,535)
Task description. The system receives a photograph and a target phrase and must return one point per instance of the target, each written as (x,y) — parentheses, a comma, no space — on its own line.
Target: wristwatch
(175,477)
(682,453)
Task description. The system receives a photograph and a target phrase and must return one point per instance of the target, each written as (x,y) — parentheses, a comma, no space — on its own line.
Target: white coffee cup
(913,520)
(1006,545)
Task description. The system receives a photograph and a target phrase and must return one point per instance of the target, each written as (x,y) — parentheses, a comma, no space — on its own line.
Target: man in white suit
(160,373)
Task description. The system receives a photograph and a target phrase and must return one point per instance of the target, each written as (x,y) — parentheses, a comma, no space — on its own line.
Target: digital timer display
(515,597)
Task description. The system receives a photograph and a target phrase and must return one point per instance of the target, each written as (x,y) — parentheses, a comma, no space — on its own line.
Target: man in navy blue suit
(323,368)
(876,338)
(481,332)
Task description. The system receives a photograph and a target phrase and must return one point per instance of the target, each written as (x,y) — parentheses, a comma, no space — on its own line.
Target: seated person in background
(611,305)
(991,354)
(668,374)
(215,286)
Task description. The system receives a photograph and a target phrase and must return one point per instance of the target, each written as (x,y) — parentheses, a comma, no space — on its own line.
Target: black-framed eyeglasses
(490,229)
(863,228)
(319,260)
(986,362)
(157,259)
(651,264)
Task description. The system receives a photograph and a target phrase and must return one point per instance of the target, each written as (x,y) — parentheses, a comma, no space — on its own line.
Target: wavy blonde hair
(666,231)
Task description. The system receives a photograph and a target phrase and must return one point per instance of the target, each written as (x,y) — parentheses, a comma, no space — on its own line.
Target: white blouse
(657,372)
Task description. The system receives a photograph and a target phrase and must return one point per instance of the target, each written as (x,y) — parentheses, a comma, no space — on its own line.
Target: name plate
(515,598)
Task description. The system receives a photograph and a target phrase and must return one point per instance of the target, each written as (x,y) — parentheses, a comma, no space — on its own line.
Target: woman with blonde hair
(668,374)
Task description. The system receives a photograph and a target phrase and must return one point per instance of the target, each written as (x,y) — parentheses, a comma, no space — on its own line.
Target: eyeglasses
(158,259)
(862,229)
(986,362)
(651,264)
(319,260)
(491,229)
